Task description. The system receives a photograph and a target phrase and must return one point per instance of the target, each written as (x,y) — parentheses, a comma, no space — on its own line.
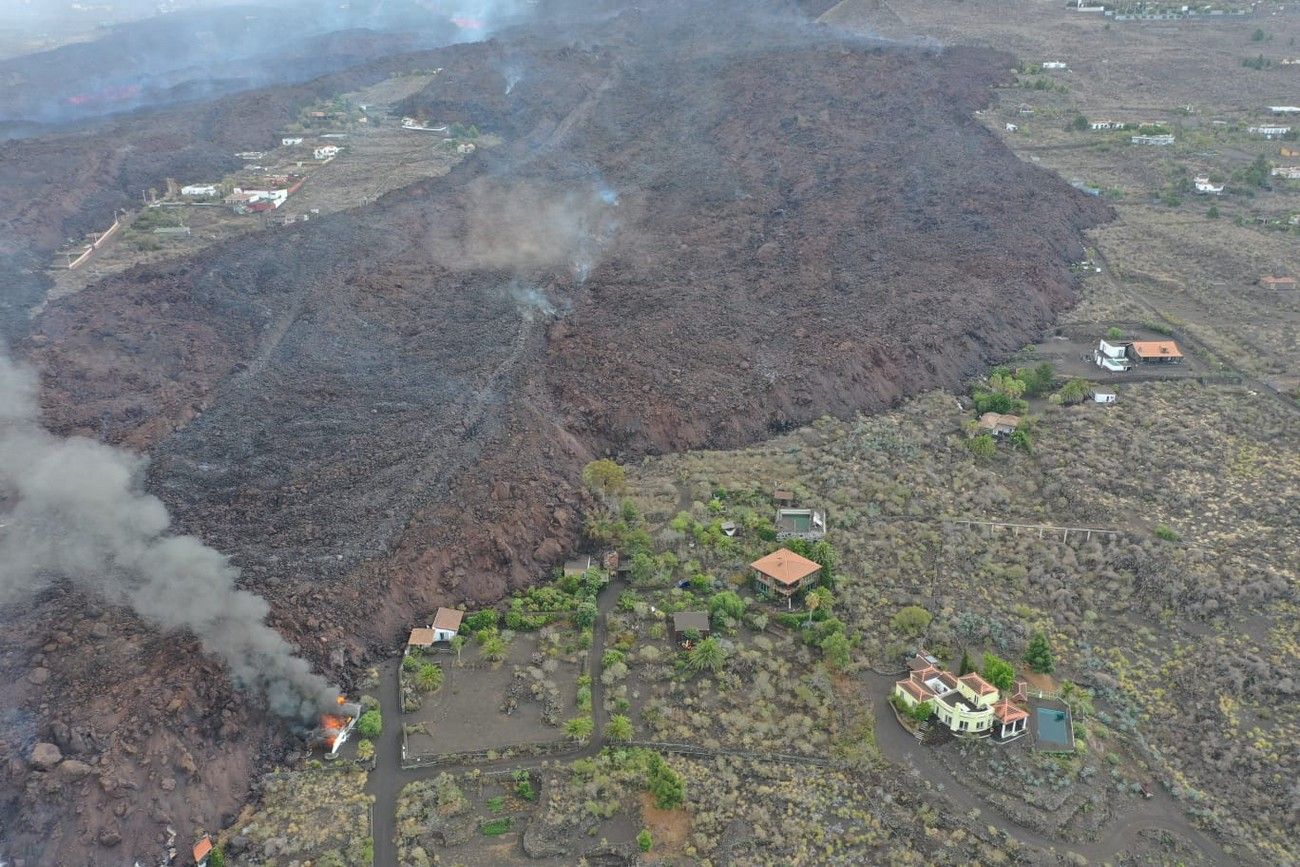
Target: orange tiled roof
(448,618)
(202,848)
(915,690)
(1156,349)
(785,566)
(977,683)
(420,637)
(1007,712)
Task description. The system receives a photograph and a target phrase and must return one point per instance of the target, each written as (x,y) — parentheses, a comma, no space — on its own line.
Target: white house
(465,147)
(197,190)
(1112,356)
(1011,127)
(1269,132)
(1291,173)
(1102,395)
(291,140)
(446,623)
(326,152)
(1055,64)
(275,197)
(1107,124)
(1204,186)
(1163,140)
(1284,109)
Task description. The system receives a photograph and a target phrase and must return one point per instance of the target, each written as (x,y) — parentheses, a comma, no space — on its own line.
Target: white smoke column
(78,512)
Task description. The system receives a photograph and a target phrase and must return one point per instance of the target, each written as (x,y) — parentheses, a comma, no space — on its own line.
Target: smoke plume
(77,511)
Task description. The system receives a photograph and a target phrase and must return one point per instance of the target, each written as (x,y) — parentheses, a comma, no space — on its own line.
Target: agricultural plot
(469,818)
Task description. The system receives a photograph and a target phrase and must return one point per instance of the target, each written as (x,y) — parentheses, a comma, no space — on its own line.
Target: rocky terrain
(698,232)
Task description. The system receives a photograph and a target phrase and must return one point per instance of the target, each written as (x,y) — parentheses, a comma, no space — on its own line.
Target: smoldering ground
(75,510)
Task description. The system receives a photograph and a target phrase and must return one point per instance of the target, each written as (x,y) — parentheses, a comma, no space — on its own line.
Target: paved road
(386,780)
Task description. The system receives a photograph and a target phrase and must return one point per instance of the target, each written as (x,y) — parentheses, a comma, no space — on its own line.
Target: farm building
(290,140)
(807,524)
(198,190)
(1204,187)
(785,573)
(1162,140)
(998,424)
(446,623)
(687,623)
(1269,281)
(1155,351)
(966,705)
(1269,132)
(1111,356)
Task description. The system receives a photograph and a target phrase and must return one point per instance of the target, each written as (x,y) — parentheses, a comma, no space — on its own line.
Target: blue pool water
(1053,725)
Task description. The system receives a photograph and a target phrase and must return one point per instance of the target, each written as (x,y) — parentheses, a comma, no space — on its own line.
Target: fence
(1041,528)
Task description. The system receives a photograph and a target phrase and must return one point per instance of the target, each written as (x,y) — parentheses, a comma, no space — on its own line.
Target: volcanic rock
(45,756)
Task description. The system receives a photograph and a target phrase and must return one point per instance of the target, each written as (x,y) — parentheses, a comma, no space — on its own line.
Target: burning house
(336,726)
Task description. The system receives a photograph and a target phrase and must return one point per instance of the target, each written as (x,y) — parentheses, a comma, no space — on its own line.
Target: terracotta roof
(991,420)
(782,494)
(921,675)
(977,683)
(1007,712)
(421,637)
(202,848)
(916,691)
(1156,349)
(949,679)
(448,619)
(1270,280)
(785,566)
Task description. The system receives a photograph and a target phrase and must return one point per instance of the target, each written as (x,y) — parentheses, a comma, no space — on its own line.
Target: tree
(585,614)
(911,620)
(1039,654)
(605,477)
(922,711)
(664,783)
(644,841)
(999,672)
(370,724)
(835,647)
(966,666)
(365,750)
(458,644)
(1074,391)
(728,604)
(1080,123)
(428,677)
(619,728)
(1213,212)
(217,858)
(982,446)
(706,656)
(579,728)
(1113,333)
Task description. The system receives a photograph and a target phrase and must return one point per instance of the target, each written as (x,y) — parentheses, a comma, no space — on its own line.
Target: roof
(1008,712)
(1156,349)
(686,621)
(202,848)
(448,619)
(921,661)
(421,636)
(782,494)
(977,683)
(949,679)
(915,690)
(992,420)
(1269,278)
(785,566)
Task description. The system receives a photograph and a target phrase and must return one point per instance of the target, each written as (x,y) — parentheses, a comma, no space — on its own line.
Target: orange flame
(342,699)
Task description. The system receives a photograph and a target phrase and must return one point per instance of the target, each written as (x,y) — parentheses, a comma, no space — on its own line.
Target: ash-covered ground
(707,223)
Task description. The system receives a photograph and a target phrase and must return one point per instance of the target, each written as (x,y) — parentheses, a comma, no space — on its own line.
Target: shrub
(728,604)
(836,649)
(496,804)
(524,786)
(217,858)
(619,728)
(495,827)
(579,728)
(706,656)
(1166,534)
(1114,333)
(365,749)
(644,840)
(911,620)
(665,784)
(480,620)
(370,724)
(585,615)
(429,677)
(494,648)
(982,446)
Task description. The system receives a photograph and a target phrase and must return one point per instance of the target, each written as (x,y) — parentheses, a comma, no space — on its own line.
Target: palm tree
(619,728)
(706,656)
(579,728)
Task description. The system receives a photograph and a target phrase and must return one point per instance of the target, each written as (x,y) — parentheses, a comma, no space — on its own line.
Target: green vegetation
(370,724)
(428,677)
(1039,654)
(605,477)
(911,621)
(708,655)
(982,446)
(495,827)
(999,672)
(579,728)
(524,785)
(619,728)
(1165,533)
(664,784)
(365,749)
(496,804)
(644,841)
(217,857)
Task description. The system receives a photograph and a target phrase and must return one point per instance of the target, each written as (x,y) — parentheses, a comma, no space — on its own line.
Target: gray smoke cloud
(77,511)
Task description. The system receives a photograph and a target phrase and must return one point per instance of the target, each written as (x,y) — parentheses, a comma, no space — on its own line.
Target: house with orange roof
(967,705)
(202,851)
(784,573)
(1272,281)
(1158,351)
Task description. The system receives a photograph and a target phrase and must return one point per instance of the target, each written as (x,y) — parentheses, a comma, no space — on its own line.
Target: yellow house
(964,704)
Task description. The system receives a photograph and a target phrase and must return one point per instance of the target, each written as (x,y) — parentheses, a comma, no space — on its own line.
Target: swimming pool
(1051,726)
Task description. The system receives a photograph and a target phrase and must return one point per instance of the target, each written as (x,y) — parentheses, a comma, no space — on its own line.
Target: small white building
(326,152)
(446,623)
(199,190)
(1102,395)
(1269,132)
(1107,124)
(1284,109)
(291,140)
(1291,173)
(1204,187)
(1163,140)
(465,147)
(1055,64)
(1011,127)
